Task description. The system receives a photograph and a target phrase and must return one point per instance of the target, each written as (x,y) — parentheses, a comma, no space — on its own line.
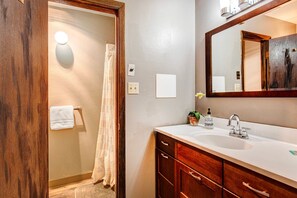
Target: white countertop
(266,156)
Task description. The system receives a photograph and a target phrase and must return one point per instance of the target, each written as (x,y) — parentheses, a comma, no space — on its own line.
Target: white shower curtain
(104,168)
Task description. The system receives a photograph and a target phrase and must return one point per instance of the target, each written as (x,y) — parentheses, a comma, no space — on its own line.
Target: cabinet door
(246,183)
(164,175)
(164,188)
(165,166)
(191,184)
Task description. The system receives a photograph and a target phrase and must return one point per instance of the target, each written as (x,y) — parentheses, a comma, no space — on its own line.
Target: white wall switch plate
(131,70)
(133,88)
(165,86)
(237,87)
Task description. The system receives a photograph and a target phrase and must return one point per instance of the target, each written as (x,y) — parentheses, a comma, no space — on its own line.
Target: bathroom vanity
(196,162)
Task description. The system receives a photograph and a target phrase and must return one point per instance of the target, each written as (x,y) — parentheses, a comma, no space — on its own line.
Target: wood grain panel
(282,63)
(164,189)
(190,183)
(228,194)
(121,102)
(235,175)
(23,99)
(203,162)
(165,166)
(165,144)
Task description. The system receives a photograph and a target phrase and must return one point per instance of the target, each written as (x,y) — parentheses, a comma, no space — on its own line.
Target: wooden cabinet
(165,166)
(203,162)
(228,194)
(187,172)
(166,144)
(164,188)
(246,183)
(183,171)
(190,183)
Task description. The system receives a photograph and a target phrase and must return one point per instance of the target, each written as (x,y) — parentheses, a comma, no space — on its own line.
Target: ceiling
(286,12)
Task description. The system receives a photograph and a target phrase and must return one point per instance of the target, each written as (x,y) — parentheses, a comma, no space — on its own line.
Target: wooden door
(23,99)
(191,184)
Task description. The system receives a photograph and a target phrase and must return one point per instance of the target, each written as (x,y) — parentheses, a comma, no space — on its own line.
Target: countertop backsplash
(269,131)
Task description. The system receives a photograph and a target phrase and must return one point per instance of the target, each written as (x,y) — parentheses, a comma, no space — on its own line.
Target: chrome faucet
(237,131)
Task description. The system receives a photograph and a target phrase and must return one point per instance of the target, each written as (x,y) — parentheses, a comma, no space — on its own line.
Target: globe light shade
(61,37)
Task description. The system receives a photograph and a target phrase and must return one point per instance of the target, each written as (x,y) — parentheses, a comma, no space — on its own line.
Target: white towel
(61,117)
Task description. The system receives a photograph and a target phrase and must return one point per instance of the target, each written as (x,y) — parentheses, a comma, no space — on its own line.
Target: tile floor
(82,189)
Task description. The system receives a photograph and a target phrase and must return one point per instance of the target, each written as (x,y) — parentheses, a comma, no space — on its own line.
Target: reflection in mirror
(258,54)
(254,61)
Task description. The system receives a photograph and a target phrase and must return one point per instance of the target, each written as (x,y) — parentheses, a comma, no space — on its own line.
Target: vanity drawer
(247,183)
(206,164)
(193,184)
(165,144)
(165,166)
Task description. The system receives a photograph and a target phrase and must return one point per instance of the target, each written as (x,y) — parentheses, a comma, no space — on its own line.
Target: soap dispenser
(208,122)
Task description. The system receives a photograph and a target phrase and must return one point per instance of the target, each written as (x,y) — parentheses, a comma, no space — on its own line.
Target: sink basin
(224,141)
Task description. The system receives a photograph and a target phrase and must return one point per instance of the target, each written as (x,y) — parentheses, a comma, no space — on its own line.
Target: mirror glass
(258,54)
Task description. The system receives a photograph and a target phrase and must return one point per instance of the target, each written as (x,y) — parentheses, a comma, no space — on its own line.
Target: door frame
(118,9)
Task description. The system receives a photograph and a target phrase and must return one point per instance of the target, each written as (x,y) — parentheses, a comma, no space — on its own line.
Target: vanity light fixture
(225,8)
(229,8)
(61,37)
(243,4)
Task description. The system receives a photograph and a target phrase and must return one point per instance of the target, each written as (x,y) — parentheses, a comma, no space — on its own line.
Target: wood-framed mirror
(254,55)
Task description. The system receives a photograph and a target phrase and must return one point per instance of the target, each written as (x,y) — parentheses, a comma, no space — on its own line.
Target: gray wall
(274,111)
(160,38)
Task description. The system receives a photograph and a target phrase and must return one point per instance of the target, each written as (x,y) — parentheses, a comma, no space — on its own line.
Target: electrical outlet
(133,88)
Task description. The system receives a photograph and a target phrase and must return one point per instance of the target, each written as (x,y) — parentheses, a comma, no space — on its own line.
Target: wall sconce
(61,37)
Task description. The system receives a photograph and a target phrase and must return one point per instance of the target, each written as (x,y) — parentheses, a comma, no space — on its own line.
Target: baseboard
(68,180)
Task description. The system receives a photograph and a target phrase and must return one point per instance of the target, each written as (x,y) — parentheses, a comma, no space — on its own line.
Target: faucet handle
(243,132)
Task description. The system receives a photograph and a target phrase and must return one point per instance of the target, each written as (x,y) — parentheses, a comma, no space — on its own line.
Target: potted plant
(194,116)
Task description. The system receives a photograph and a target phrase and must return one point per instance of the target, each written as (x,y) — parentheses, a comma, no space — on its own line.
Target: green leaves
(195,114)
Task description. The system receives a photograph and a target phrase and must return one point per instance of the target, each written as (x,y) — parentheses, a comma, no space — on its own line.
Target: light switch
(131,70)
(133,88)
(237,87)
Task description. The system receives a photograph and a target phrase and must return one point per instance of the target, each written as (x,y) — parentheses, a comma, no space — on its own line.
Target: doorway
(116,9)
(254,61)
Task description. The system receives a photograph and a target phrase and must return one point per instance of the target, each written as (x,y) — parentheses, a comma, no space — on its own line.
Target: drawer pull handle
(196,177)
(164,143)
(264,193)
(166,157)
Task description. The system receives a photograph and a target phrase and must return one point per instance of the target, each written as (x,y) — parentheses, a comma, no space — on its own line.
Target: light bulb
(61,37)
